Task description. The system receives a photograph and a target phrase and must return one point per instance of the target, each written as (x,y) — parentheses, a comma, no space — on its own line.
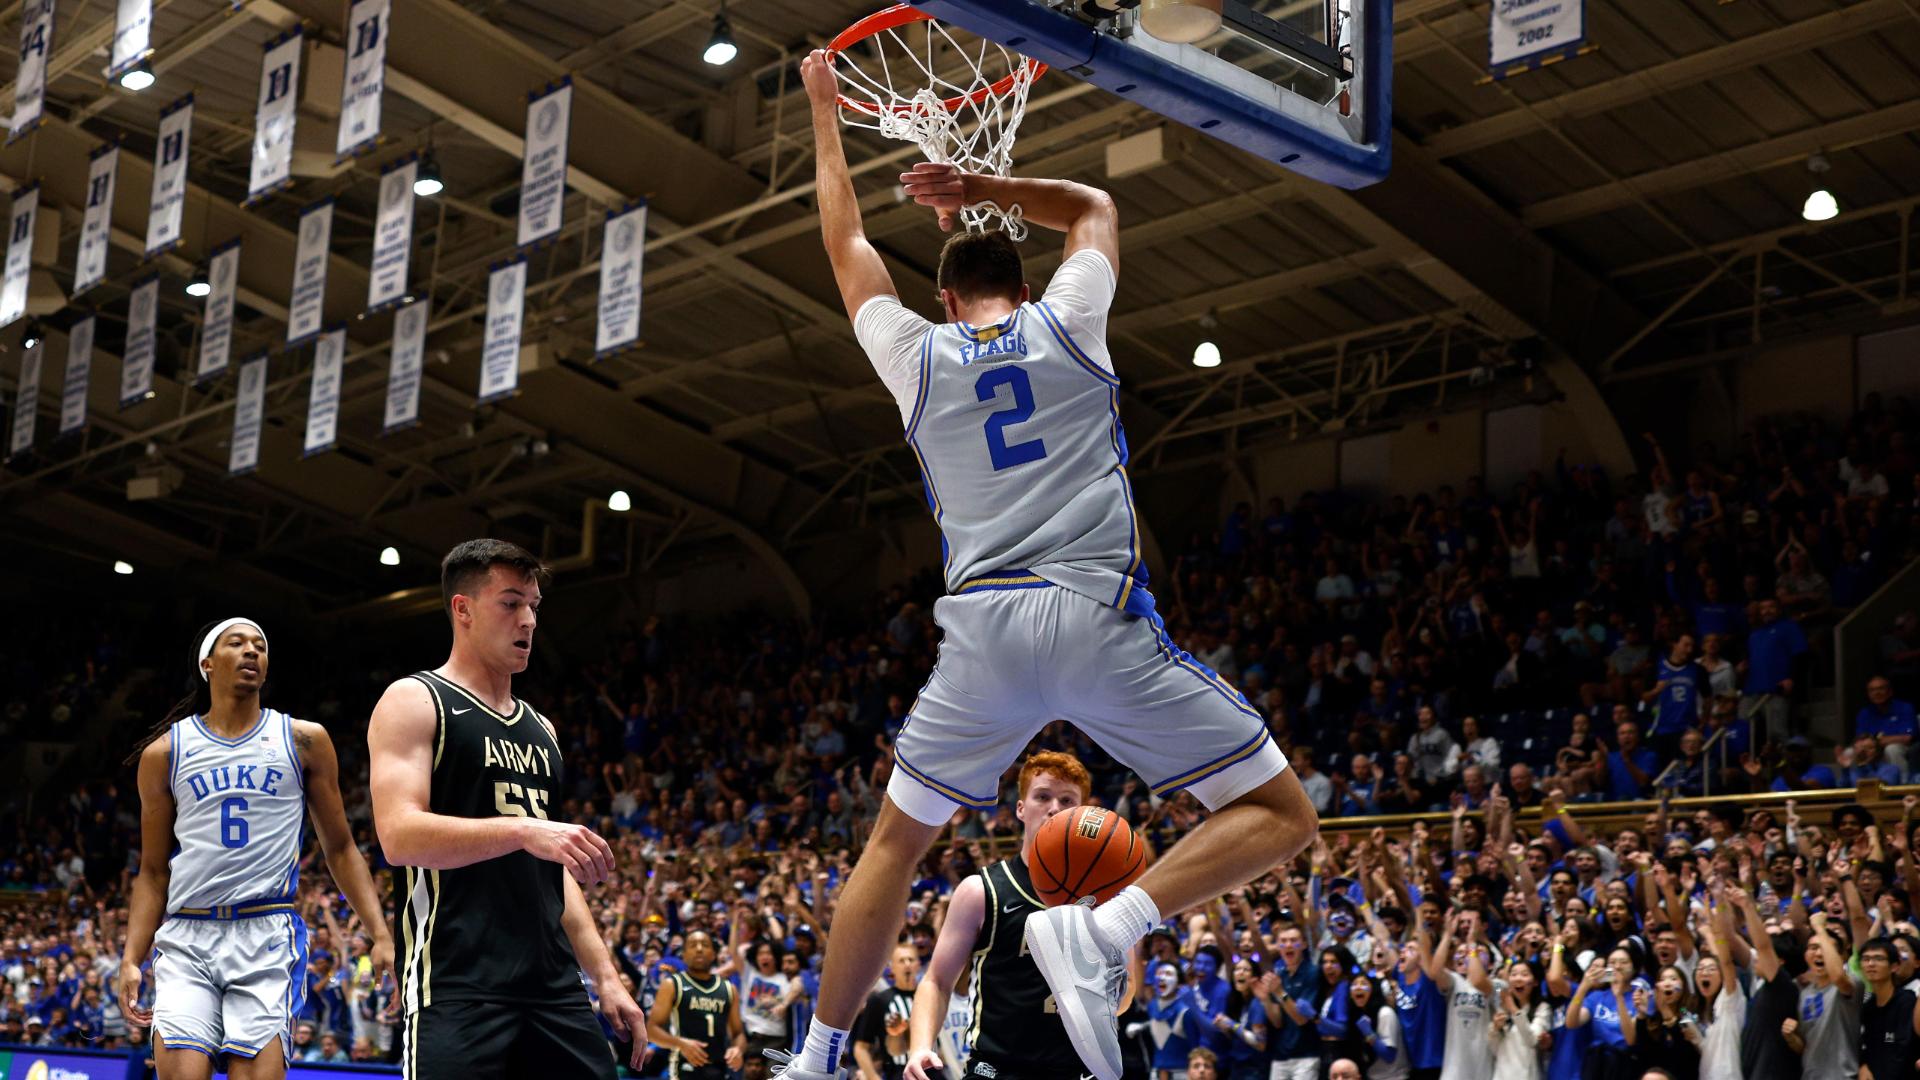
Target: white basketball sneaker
(786,1066)
(1087,977)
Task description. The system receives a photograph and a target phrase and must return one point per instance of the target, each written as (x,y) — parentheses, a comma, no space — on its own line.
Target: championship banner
(96,228)
(403,370)
(543,172)
(1527,33)
(169,200)
(73,385)
(366,77)
(392,235)
(216,326)
(310,272)
(500,351)
(26,407)
(273,117)
(136,365)
(323,398)
(19,265)
(621,248)
(132,37)
(243,452)
(30,81)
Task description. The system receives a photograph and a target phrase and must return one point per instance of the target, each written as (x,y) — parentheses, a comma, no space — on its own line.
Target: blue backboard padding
(1063,42)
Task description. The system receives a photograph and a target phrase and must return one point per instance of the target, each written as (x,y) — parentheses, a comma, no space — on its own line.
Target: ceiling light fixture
(427,181)
(198,285)
(389,556)
(122,567)
(1207,353)
(1820,204)
(619,502)
(137,78)
(34,335)
(720,49)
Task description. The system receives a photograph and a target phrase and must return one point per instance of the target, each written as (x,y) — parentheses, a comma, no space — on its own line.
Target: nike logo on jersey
(191,752)
(457,712)
(1010,908)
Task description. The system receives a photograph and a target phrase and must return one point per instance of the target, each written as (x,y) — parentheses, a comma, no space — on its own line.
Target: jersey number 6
(987,389)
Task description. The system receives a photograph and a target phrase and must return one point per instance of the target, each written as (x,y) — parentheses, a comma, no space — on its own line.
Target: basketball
(1085,851)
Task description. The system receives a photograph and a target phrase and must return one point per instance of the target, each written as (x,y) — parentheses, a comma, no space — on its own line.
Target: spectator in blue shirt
(1210,993)
(1174,1017)
(1291,996)
(1423,1011)
(1357,796)
(1677,693)
(1867,764)
(1772,648)
(1797,771)
(1890,722)
(1630,769)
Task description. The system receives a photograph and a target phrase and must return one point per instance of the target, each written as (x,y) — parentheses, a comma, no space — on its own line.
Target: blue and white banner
(1526,33)
(19,265)
(26,407)
(30,81)
(273,117)
(366,77)
(96,226)
(243,452)
(216,325)
(136,363)
(73,385)
(621,249)
(392,235)
(305,309)
(500,350)
(169,201)
(543,171)
(132,36)
(323,397)
(403,371)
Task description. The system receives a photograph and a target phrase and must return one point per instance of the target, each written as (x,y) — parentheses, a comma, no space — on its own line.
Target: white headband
(213,636)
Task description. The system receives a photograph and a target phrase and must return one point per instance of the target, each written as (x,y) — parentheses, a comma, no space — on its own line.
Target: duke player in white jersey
(224,797)
(1011,406)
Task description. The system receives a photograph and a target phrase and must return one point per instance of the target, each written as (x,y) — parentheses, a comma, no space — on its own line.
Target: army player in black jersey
(495,931)
(697,1016)
(1016,1033)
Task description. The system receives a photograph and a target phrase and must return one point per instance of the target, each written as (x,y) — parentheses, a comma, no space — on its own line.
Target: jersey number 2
(987,389)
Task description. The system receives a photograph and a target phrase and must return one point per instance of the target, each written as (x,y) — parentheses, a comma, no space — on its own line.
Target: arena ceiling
(1630,209)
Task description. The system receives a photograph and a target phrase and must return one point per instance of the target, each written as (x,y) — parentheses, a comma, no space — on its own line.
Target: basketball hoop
(961,106)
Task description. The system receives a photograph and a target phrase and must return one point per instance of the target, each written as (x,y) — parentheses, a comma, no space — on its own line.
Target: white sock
(1126,918)
(825,1049)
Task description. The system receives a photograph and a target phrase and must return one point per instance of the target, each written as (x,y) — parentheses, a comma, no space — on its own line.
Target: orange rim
(900,15)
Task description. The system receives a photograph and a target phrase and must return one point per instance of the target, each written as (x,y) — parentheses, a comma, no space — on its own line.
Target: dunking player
(1015,1034)
(697,1016)
(1012,407)
(495,929)
(225,785)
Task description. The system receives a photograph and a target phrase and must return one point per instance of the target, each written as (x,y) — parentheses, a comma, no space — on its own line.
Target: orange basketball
(1085,851)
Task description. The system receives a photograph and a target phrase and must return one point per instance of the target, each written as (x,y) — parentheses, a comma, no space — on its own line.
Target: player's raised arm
(856,265)
(400,744)
(1086,214)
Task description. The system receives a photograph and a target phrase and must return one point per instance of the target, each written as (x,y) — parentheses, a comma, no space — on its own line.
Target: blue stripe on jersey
(977,802)
(926,474)
(293,753)
(1220,686)
(1225,761)
(173,759)
(1066,342)
(250,732)
(920,396)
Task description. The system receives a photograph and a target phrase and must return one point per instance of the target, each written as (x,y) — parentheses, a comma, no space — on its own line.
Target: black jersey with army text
(489,931)
(1016,1027)
(701,1010)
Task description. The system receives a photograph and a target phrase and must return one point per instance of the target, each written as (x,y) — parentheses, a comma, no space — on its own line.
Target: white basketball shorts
(228,986)
(1017,658)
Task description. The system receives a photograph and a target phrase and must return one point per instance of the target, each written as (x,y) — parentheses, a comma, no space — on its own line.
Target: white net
(912,80)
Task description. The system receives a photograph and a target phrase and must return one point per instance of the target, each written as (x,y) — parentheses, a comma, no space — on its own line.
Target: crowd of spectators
(1560,644)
